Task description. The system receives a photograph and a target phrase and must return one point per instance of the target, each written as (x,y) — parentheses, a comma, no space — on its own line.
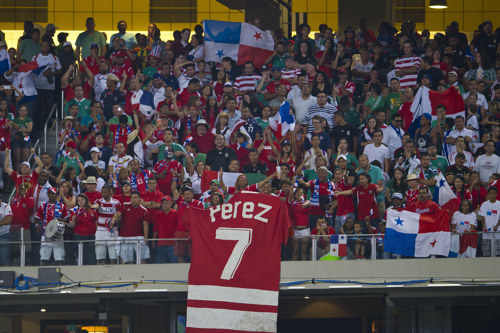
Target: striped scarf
(315,192)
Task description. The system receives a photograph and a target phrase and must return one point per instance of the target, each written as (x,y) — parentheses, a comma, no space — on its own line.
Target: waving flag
(283,121)
(426,101)
(31,67)
(4,61)
(444,196)
(240,41)
(143,101)
(229,178)
(417,235)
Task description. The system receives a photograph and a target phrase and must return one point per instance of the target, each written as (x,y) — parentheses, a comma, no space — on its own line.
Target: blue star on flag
(399,221)
(442,182)
(220,53)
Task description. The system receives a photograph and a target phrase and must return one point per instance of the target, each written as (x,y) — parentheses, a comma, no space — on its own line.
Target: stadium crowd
(145,119)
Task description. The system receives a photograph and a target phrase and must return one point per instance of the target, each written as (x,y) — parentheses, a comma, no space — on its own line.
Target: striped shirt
(326,112)
(246,82)
(290,74)
(409,80)
(106,211)
(349,86)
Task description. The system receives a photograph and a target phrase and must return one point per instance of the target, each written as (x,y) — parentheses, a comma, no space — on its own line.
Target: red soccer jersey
(427,207)
(4,134)
(367,201)
(93,196)
(345,205)
(406,115)
(299,214)
(131,224)
(165,225)
(18,179)
(47,212)
(139,180)
(229,271)
(267,155)
(85,222)
(271,87)
(21,211)
(106,211)
(92,64)
(315,208)
(164,183)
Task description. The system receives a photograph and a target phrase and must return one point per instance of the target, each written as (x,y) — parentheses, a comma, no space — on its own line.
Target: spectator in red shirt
(164,227)
(22,207)
(203,137)
(323,229)
(423,205)
(84,224)
(151,200)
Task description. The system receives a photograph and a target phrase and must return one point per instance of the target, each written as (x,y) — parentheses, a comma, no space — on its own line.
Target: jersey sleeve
(285,222)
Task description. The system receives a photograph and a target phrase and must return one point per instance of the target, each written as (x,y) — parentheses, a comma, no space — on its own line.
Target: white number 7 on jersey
(244,238)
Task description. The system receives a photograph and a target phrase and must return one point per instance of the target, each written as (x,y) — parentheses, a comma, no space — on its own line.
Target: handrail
(54,108)
(14,190)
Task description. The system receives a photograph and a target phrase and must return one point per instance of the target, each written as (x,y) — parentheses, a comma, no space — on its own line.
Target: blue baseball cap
(428,116)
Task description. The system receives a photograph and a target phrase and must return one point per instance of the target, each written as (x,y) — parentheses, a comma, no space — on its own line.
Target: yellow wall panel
(332,6)
(203,16)
(434,20)
(235,16)
(64,21)
(203,6)
(79,21)
(316,6)
(63,5)
(219,16)
(472,6)
(332,20)
(456,5)
(472,20)
(83,6)
(453,16)
(315,19)
(491,5)
(122,6)
(103,21)
(216,6)
(103,6)
(9,26)
(140,21)
(300,6)
(140,6)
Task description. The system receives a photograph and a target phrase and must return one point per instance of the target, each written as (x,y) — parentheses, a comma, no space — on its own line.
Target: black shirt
(220,158)
(347,131)
(435,74)
(261,167)
(456,171)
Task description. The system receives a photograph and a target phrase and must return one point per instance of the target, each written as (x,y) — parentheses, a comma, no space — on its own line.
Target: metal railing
(313,252)
(45,126)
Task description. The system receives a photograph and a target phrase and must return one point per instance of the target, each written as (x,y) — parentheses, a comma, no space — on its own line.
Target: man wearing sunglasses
(393,134)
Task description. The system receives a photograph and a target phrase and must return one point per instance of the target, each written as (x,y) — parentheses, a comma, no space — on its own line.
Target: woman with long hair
(326,57)
(21,130)
(482,69)
(464,220)
(321,83)
(304,55)
(341,60)
(314,151)
(218,84)
(370,128)
(211,111)
(397,184)
(460,189)
(263,120)
(299,212)
(66,194)
(250,100)
(84,224)
(221,126)
(194,172)
(477,190)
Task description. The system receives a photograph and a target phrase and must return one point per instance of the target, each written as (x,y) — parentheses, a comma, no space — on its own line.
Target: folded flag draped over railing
(240,41)
(417,235)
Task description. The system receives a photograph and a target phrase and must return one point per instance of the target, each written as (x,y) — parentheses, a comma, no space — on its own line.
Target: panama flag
(4,61)
(468,245)
(240,41)
(31,67)
(283,121)
(338,245)
(444,196)
(229,178)
(426,100)
(143,101)
(417,235)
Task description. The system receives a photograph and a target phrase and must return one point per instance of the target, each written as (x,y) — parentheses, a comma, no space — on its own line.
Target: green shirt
(22,123)
(29,49)
(460,88)
(262,123)
(175,147)
(70,162)
(278,61)
(83,107)
(200,157)
(375,103)
(149,72)
(431,172)
(260,96)
(352,161)
(393,102)
(440,163)
(352,117)
(85,39)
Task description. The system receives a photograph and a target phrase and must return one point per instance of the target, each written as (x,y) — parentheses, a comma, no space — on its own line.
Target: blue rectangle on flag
(222,32)
(334,239)
(400,243)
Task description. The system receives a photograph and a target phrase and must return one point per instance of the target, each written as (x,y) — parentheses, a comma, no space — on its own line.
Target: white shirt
(490,212)
(377,153)
(158,95)
(481,100)
(469,159)
(52,62)
(464,221)
(99,85)
(5,211)
(119,162)
(486,166)
(40,197)
(455,134)
(300,106)
(392,139)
